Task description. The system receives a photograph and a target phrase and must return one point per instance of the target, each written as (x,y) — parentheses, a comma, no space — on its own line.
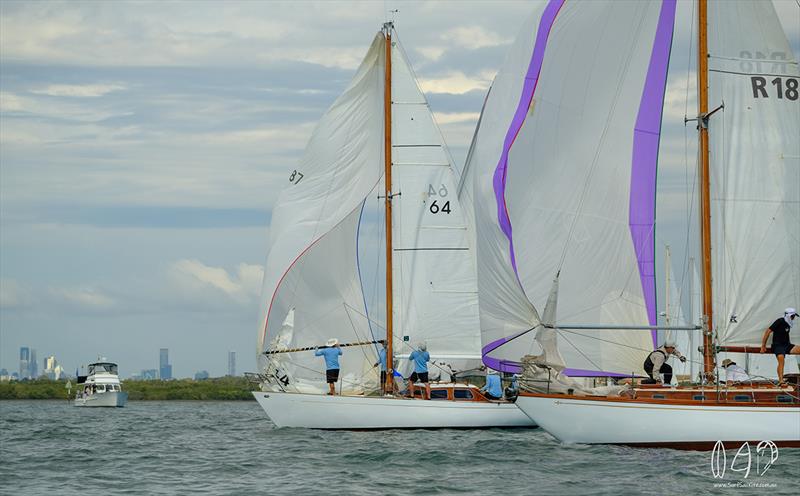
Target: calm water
(50,447)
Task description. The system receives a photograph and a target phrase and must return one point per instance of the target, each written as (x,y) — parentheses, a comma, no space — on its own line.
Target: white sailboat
(378,138)
(562,176)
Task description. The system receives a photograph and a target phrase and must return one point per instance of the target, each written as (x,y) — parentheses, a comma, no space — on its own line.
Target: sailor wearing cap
(781,344)
(657,361)
(733,372)
(331,352)
(420,357)
(493,389)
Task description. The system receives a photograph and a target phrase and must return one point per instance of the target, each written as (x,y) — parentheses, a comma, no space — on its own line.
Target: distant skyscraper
(24,362)
(33,366)
(164,367)
(231,363)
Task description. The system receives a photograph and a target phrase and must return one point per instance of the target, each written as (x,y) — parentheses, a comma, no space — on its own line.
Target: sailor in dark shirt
(781,344)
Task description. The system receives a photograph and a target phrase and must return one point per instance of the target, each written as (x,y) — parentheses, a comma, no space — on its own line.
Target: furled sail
(311,270)
(754,169)
(435,294)
(563,169)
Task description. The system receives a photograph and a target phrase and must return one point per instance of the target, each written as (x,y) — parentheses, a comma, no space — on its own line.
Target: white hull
(108,398)
(573,420)
(375,412)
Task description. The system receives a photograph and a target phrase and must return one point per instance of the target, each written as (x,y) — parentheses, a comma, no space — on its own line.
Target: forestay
(563,169)
(754,169)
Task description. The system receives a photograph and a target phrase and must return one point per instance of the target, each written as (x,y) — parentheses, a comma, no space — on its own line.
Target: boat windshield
(95,368)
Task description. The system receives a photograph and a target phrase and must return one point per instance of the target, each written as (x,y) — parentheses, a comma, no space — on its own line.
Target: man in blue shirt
(331,352)
(382,362)
(420,357)
(493,389)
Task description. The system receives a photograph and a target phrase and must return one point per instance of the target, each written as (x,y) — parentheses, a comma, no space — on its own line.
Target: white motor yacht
(101,386)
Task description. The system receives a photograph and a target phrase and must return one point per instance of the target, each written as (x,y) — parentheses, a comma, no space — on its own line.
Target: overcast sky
(143,144)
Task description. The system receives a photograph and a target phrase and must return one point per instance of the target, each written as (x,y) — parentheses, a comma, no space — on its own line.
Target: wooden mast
(387,189)
(705,202)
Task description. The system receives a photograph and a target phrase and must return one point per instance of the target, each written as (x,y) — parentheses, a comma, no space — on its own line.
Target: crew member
(382,362)
(656,363)
(331,352)
(781,345)
(733,372)
(493,389)
(420,357)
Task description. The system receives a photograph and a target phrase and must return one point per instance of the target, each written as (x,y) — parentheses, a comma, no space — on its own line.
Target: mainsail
(563,168)
(435,293)
(754,170)
(313,283)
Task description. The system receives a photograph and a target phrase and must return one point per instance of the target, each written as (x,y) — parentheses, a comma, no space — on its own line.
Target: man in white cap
(331,352)
(734,373)
(656,362)
(493,389)
(781,344)
(420,357)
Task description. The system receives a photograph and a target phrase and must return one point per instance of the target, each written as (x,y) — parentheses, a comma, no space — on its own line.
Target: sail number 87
(295,177)
(441,192)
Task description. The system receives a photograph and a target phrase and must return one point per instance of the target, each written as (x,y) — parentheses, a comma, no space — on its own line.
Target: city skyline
(28,363)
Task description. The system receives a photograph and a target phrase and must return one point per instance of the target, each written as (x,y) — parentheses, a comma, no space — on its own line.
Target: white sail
(312,284)
(754,169)
(564,180)
(435,293)
(312,268)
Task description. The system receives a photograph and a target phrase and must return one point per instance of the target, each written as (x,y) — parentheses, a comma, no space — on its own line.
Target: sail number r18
(781,87)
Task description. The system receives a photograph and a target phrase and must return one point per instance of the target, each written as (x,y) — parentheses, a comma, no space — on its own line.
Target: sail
(435,295)
(754,169)
(564,167)
(311,272)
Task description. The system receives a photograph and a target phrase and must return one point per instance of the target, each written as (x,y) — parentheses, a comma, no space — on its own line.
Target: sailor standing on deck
(382,362)
(420,357)
(331,352)
(781,345)
(656,363)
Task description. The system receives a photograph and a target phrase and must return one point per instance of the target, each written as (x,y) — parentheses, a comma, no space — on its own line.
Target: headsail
(754,169)
(311,269)
(564,180)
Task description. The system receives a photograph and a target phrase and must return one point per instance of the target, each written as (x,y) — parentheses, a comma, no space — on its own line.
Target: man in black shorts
(781,344)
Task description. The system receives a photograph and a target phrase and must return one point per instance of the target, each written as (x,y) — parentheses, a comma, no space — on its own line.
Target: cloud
(83,297)
(79,90)
(13,294)
(456,83)
(473,37)
(456,117)
(197,278)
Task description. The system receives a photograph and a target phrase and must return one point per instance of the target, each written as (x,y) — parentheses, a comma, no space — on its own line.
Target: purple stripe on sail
(528,88)
(513,367)
(646,134)
(497,364)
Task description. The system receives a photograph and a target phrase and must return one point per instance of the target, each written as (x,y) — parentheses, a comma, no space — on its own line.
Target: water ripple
(231,448)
